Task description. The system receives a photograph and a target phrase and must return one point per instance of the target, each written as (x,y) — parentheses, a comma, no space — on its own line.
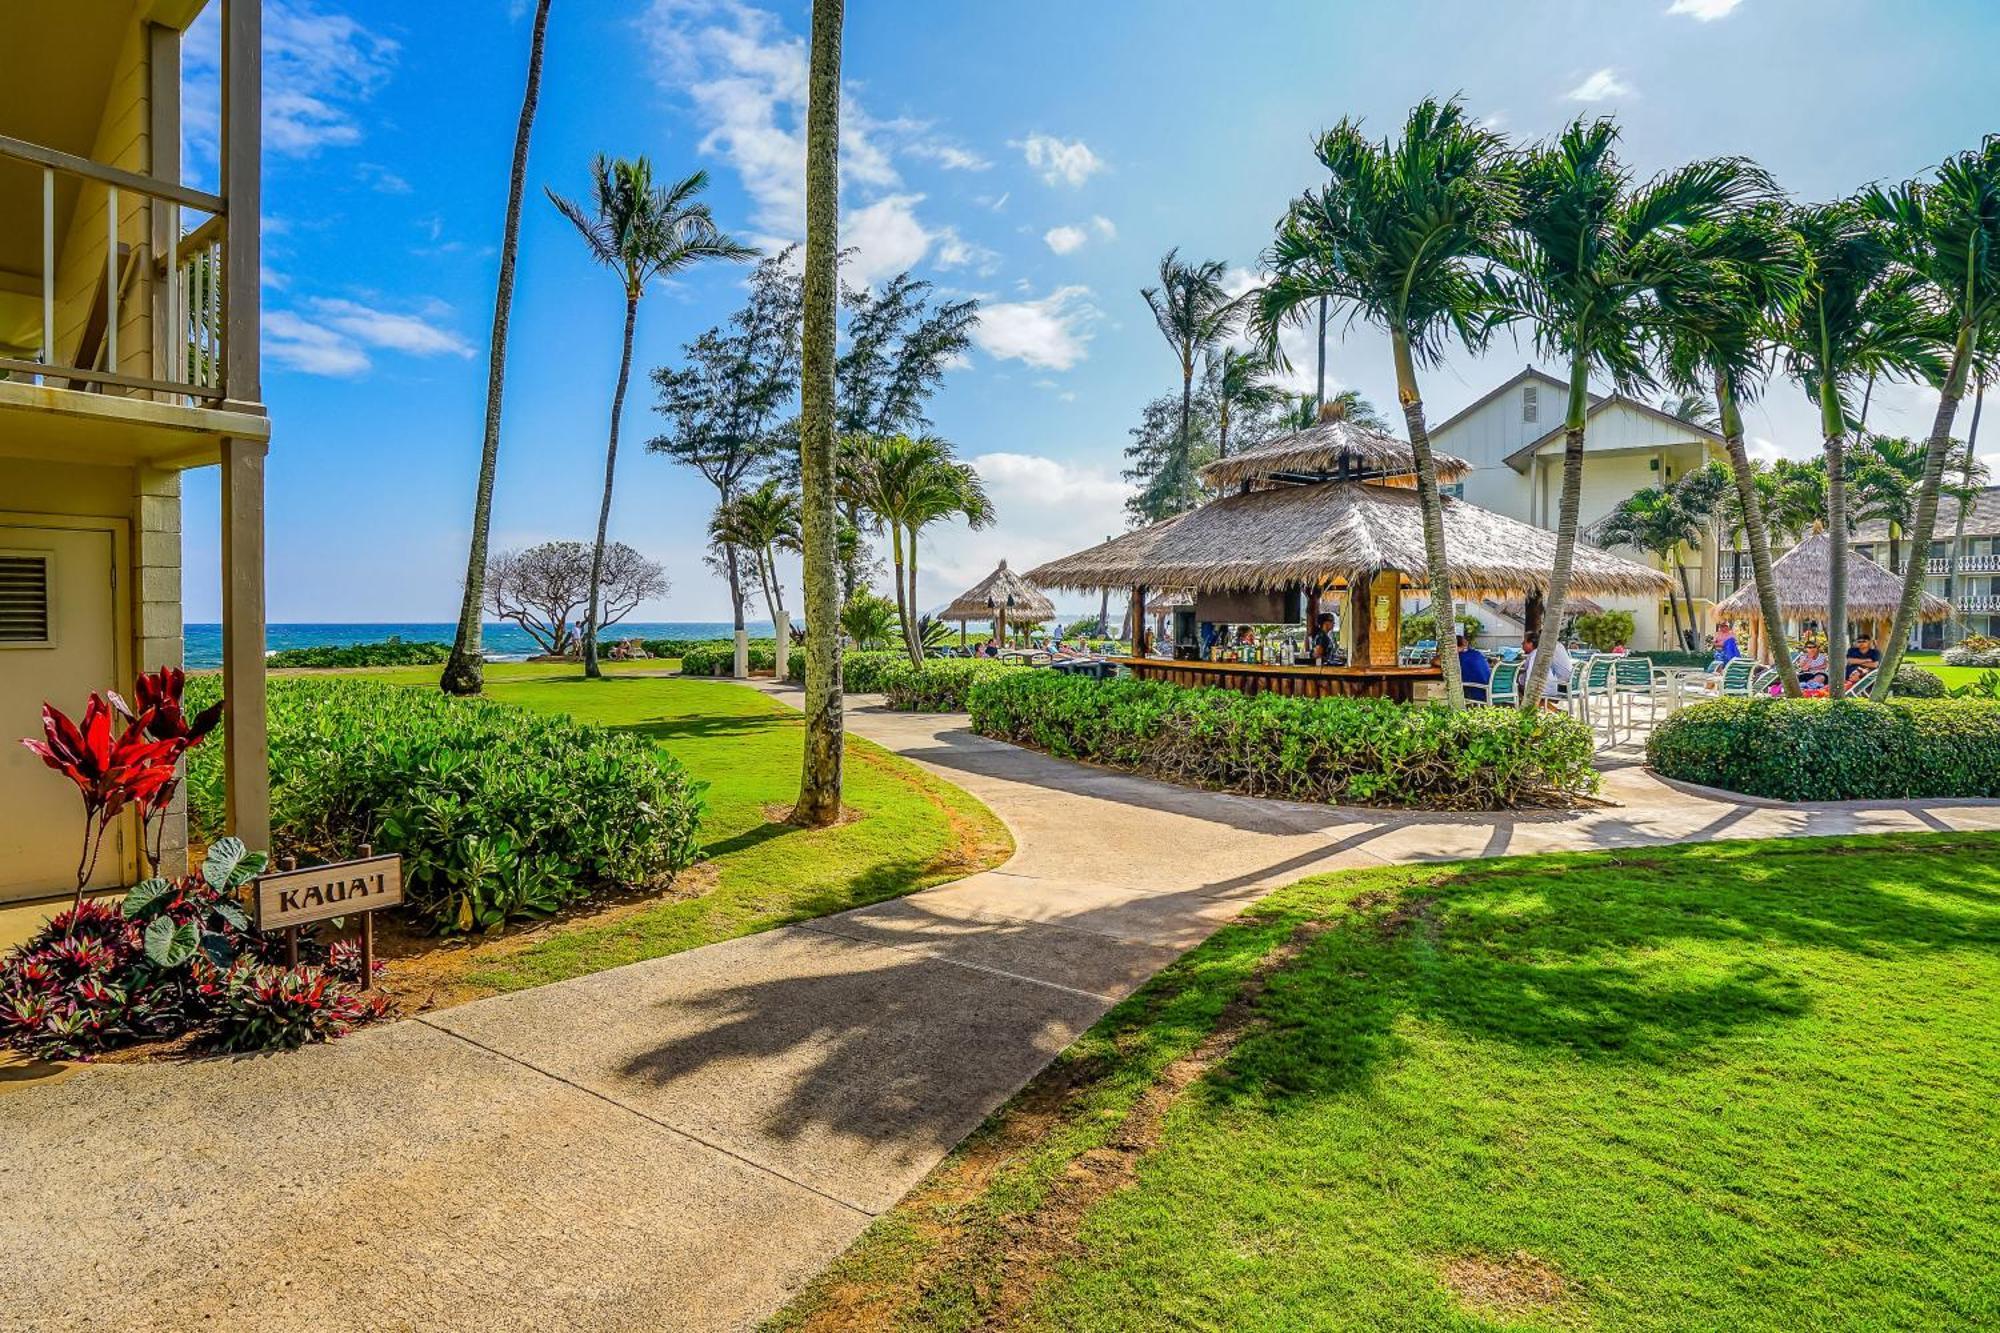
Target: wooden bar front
(1311,682)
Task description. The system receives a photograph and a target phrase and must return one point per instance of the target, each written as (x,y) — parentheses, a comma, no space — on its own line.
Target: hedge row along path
(682,1143)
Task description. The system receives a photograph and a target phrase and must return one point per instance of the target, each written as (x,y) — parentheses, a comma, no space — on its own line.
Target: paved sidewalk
(682,1143)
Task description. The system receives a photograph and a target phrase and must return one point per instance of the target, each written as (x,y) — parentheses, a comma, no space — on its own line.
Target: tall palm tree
(1856,315)
(1654,520)
(1885,473)
(639,231)
(764,521)
(820,776)
(1798,497)
(1242,384)
(1972,476)
(1193,313)
(1587,253)
(465,670)
(1948,233)
(1398,236)
(1714,328)
(908,484)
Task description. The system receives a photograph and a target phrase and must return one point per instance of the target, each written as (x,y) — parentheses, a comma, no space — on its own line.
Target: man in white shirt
(1560,666)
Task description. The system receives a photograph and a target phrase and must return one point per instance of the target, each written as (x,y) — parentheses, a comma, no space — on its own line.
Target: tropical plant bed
(1349,751)
(1731,1085)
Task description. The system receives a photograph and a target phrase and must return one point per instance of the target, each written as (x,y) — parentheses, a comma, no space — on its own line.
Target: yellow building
(128,354)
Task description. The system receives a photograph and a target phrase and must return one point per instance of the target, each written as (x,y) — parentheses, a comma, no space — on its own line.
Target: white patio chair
(1633,678)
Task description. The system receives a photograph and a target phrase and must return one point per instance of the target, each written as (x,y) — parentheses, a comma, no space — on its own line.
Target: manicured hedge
(498,812)
(719,659)
(1370,751)
(941,684)
(1668,657)
(391,651)
(1821,750)
(682,647)
(1913,682)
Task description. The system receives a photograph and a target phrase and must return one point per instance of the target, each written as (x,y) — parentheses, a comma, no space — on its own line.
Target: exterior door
(60,658)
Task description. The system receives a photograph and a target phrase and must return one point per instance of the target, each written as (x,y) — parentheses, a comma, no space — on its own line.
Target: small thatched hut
(1802,575)
(1335,449)
(999,597)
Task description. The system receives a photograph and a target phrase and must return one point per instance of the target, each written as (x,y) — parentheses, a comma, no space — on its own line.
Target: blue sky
(1039,155)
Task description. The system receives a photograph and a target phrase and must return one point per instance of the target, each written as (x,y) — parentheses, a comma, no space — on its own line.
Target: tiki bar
(1323,520)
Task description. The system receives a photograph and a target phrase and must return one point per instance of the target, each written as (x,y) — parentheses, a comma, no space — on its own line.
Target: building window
(1530,403)
(24,599)
(1456,490)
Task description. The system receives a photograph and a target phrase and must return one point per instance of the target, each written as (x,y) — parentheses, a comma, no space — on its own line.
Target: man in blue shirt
(1475,670)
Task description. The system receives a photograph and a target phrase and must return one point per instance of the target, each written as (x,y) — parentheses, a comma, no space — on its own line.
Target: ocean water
(504,643)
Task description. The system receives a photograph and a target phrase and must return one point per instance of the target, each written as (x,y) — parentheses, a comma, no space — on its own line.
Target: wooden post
(1383,616)
(246,762)
(1139,621)
(242,188)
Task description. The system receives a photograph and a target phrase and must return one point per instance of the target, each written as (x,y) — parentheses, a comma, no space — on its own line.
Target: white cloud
(886,237)
(333,336)
(948,155)
(318,67)
(1047,508)
(1704,11)
(1600,86)
(1065,240)
(1104,227)
(1061,163)
(954,251)
(1050,333)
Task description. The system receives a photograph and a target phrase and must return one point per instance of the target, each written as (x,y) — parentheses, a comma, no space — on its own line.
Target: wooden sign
(296,897)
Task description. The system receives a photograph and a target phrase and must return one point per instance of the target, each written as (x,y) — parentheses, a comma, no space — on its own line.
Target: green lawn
(1953,676)
(907,830)
(1742,1085)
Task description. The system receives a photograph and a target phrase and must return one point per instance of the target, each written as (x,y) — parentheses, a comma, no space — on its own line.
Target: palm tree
(640,232)
(1242,384)
(1193,313)
(908,484)
(1693,407)
(1798,497)
(1587,254)
(465,670)
(1714,328)
(1885,473)
(1948,233)
(1398,235)
(763,522)
(1655,520)
(1856,315)
(820,776)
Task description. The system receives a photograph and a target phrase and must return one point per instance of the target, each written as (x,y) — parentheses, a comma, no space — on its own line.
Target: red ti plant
(134,767)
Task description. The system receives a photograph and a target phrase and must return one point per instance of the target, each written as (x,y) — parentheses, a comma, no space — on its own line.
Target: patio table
(1678,681)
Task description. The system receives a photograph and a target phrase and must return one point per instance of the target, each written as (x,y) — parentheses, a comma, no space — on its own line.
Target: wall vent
(1531,402)
(24,599)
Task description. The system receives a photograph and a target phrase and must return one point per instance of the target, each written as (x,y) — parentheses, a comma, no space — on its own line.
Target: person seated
(1862,658)
(1813,666)
(1726,650)
(1475,671)
(1560,667)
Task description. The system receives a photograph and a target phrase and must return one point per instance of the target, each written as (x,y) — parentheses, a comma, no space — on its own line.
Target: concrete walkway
(680,1144)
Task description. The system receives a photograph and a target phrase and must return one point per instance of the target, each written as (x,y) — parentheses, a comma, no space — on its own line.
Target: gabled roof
(1528,374)
(1519,459)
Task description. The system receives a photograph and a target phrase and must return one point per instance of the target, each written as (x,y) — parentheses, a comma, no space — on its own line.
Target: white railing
(190,272)
(1976,603)
(1967,564)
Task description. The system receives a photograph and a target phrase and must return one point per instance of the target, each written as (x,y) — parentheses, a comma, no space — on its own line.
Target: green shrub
(682,647)
(1668,657)
(941,683)
(1371,751)
(1423,625)
(497,812)
(1606,630)
(1913,682)
(1821,750)
(391,651)
(719,659)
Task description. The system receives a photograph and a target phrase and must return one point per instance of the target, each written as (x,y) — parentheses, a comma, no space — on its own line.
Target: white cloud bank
(1060,162)
(1704,11)
(1050,333)
(1047,508)
(332,336)
(1600,87)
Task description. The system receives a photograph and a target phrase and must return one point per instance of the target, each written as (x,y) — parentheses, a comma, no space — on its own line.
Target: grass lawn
(907,830)
(1952,676)
(1740,1085)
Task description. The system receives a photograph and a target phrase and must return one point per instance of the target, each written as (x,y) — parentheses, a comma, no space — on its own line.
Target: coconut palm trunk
(820,780)
(1756,534)
(916,636)
(903,607)
(1431,502)
(1965,497)
(465,670)
(590,667)
(1924,523)
(1833,427)
(1554,604)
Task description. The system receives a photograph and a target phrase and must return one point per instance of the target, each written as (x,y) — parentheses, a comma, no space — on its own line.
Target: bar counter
(1312,682)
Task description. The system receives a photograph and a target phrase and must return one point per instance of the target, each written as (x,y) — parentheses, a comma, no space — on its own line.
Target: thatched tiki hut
(1328,512)
(1802,578)
(999,597)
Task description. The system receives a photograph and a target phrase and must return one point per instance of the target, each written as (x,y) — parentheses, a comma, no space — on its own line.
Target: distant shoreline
(202,643)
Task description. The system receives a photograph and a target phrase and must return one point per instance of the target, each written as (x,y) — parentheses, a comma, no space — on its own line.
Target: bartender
(1322,642)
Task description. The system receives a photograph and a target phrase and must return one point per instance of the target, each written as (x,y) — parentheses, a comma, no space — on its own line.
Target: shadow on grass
(702,727)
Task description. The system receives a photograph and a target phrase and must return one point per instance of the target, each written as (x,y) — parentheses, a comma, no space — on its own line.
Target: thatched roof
(1319,452)
(1801,575)
(1317,534)
(980,600)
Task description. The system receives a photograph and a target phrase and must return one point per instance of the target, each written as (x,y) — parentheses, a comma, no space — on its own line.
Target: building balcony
(1967,564)
(1983,603)
(116,321)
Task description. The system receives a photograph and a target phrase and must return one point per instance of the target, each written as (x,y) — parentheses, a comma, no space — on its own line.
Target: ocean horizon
(202,644)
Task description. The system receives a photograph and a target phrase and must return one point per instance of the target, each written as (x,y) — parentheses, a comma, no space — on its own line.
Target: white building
(1513,437)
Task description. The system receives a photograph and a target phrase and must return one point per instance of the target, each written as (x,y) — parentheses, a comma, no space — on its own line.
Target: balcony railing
(1967,564)
(188,322)
(1976,603)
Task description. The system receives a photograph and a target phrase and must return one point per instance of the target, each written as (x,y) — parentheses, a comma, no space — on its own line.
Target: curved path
(682,1143)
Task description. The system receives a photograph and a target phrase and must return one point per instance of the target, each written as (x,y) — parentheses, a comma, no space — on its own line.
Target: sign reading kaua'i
(296,897)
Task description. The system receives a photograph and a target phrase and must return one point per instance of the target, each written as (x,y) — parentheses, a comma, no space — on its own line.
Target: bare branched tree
(544,588)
